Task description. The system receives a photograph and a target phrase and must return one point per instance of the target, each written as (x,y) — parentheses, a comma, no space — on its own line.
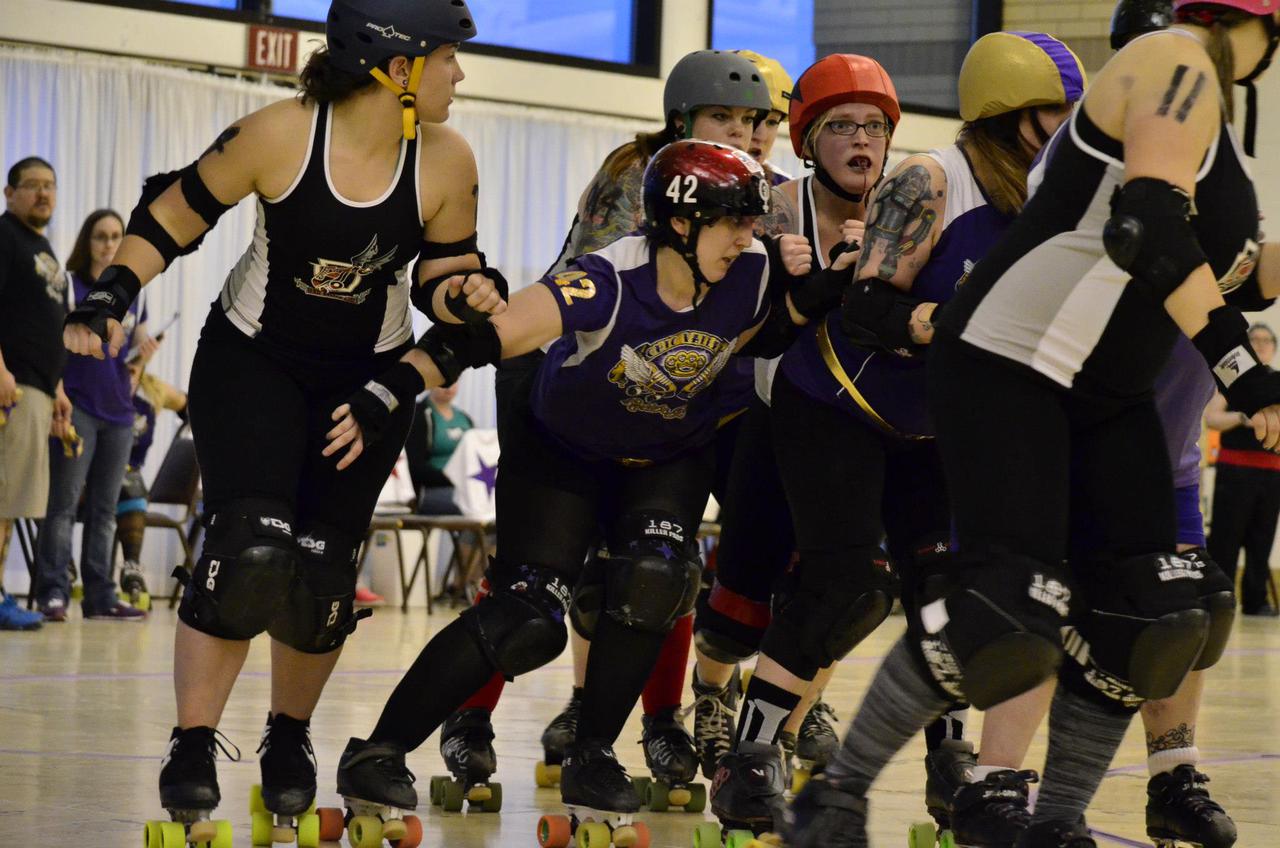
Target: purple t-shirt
(100,387)
(631,378)
(1182,391)
(144,430)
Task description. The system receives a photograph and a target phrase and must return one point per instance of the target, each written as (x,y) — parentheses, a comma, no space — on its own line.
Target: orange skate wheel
(412,833)
(332,823)
(554,832)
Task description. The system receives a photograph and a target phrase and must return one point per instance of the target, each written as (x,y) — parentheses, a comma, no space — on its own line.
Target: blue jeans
(98,473)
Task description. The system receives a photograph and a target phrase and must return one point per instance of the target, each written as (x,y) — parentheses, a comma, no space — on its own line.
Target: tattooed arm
(783,216)
(903,222)
(610,210)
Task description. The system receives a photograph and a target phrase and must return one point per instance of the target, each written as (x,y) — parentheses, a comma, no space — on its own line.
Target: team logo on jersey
(1244,266)
(55,282)
(676,368)
(338,280)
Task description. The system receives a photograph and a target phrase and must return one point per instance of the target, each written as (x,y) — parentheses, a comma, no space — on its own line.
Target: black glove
(457,303)
(875,314)
(374,403)
(1247,384)
(821,291)
(110,297)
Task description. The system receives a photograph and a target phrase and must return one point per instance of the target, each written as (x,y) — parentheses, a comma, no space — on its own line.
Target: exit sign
(273,49)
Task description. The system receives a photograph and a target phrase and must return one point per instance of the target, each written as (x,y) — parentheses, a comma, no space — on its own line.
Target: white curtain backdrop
(106,123)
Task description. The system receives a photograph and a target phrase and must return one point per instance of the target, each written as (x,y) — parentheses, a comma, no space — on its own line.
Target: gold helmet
(775,76)
(1007,71)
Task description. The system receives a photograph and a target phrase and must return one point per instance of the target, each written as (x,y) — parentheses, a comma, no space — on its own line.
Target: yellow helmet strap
(407,94)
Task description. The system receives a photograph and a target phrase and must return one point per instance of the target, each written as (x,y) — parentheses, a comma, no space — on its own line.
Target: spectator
(1246,493)
(32,403)
(103,418)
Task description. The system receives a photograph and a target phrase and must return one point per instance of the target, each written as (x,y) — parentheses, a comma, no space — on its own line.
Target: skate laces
(1187,789)
(208,740)
(286,732)
(568,720)
(819,721)
(1004,794)
(712,717)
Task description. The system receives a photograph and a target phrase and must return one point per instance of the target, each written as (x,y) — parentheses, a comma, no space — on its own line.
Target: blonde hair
(152,388)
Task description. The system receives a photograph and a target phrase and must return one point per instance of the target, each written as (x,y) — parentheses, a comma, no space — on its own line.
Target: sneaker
(54,609)
(117,612)
(366,597)
(14,617)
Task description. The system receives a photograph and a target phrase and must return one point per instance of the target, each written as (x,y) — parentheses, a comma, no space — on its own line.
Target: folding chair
(177,483)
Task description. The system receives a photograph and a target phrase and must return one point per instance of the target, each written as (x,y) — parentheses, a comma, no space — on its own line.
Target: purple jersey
(1182,390)
(144,430)
(877,386)
(101,387)
(631,378)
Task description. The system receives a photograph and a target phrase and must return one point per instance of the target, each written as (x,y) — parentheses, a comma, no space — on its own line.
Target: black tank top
(326,277)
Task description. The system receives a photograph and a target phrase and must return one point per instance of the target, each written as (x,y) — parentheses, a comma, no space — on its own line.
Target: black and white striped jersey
(326,276)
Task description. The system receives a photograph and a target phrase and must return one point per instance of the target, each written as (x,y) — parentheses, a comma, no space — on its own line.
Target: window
(780,29)
(216,4)
(307,10)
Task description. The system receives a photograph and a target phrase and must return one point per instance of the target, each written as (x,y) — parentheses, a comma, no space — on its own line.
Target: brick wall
(1085,25)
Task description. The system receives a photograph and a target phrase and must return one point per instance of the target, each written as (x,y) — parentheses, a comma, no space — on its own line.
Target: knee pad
(988,625)
(244,573)
(828,616)
(520,625)
(1218,595)
(653,573)
(319,612)
(1144,628)
(588,596)
(730,626)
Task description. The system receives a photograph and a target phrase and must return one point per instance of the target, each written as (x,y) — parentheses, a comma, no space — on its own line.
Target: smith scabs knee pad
(989,625)
(1218,595)
(319,613)
(652,576)
(520,625)
(243,575)
(1145,626)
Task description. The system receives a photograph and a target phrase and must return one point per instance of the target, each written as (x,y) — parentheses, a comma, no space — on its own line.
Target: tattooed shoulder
(783,216)
(900,220)
(224,138)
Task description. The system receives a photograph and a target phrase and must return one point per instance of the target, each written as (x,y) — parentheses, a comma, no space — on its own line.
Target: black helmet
(714,78)
(362,33)
(1134,17)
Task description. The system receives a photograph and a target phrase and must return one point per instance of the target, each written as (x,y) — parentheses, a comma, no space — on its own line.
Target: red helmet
(701,181)
(836,79)
(1253,7)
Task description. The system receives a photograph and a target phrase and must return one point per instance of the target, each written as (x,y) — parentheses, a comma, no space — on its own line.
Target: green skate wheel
(922,835)
(435,789)
(706,835)
(257,805)
(262,824)
(309,831)
(153,834)
(595,834)
(494,802)
(946,839)
(697,798)
(545,775)
(451,796)
(365,832)
(173,835)
(657,796)
(222,836)
(641,786)
(738,839)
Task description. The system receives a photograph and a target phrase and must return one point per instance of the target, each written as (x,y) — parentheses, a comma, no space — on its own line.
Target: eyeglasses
(35,185)
(874,129)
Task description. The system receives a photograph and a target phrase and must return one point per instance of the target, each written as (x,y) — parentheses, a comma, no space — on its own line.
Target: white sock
(1170,759)
(980,773)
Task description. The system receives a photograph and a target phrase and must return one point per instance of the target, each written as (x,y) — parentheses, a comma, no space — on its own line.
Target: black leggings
(1246,505)
(849,487)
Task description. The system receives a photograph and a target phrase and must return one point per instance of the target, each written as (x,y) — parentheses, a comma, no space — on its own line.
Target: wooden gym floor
(86,707)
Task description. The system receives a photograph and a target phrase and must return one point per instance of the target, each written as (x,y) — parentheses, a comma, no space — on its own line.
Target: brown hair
(1219,46)
(324,82)
(1000,159)
(80,259)
(640,150)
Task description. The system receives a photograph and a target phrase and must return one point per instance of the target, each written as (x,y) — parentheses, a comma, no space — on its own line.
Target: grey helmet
(714,78)
(362,33)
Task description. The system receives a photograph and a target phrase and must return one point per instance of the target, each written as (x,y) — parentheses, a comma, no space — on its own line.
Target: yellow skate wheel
(554,831)
(173,835)
(222,835)
(697,798)
(153,834)
(143,601)
(545,776)
(494,804)
(799,778)
(261,823)
(657,796)
(922,835)
(365,832)
(746,680)
(309,830)
(738,839)
(256,804)
(706,835)
(394,829)
(593,834)
(479,794)
(451,796)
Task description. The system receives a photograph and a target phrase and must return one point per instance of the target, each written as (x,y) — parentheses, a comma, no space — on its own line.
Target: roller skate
(746,797)
(377,791)
(669,754)
(1179,810)
(1056,834)
(282,808)
(993,811)
(555,739)
(133,586)
(947,769)
(816,743)
(466,743)
(189,791)
(601,800)
(827,813)
(715,710)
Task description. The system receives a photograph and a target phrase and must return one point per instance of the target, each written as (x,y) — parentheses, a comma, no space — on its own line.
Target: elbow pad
(1149,234)
(422,295)
(196,194)
(457,347)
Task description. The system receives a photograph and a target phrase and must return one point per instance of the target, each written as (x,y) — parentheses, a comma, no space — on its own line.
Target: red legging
(662,691)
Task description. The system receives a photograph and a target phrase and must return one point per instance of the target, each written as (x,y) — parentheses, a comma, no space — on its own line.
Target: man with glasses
(32,403)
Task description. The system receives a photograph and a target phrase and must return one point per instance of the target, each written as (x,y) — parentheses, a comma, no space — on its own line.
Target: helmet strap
(834,187)
(687,247)
(406,93)
(1250,87)
(688,124)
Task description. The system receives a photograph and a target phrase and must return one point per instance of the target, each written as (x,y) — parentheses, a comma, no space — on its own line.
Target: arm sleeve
(586,293)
